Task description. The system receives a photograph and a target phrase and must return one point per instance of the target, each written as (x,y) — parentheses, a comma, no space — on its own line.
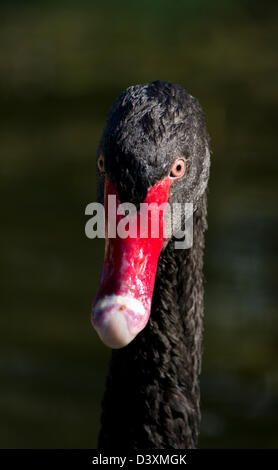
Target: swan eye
(100,164)
(178,168)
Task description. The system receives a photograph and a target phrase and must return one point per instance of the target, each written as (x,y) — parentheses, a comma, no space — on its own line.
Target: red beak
(122,305)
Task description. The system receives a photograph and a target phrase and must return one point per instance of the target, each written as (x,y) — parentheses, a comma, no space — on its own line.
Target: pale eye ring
(178,168)
(100,164)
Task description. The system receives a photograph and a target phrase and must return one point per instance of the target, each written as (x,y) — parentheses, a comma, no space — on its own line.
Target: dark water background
(61,66)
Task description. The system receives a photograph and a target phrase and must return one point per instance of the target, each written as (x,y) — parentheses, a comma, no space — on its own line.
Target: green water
(60,69)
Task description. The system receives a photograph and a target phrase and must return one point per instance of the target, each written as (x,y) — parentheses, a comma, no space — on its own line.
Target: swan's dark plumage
(148,127)
(152,392)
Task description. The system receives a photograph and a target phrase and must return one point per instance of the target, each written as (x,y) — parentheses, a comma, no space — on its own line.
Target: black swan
(155,137)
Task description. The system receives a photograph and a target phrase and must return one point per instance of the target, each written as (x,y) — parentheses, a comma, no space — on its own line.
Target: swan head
(154,149)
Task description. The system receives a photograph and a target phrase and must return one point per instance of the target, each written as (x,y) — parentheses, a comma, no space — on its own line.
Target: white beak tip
(118,319)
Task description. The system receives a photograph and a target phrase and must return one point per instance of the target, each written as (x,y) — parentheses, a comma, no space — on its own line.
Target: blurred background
(61,66)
